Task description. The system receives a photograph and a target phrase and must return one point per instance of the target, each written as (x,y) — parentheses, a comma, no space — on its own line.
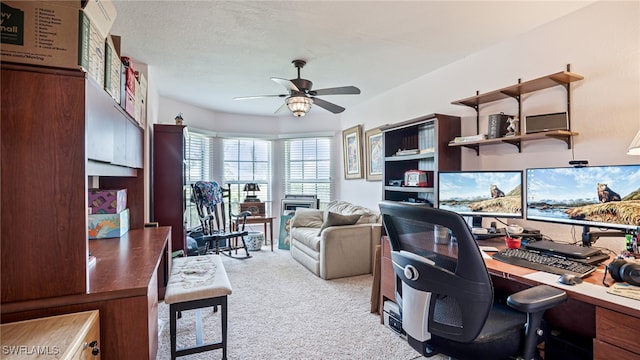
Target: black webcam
(579,163)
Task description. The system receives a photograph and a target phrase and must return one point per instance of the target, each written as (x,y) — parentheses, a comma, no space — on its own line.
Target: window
(247,161)
(308,168)
(197,168)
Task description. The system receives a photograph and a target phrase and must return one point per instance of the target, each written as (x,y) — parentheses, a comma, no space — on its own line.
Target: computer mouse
(569,279)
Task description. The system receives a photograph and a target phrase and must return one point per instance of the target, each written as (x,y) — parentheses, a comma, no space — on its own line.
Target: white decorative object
(254,240)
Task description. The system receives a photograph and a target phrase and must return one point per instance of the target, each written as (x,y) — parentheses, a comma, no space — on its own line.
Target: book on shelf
(461,139)
(407,152)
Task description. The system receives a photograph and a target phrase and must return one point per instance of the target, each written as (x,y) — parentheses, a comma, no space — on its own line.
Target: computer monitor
(481,193)
(592,196)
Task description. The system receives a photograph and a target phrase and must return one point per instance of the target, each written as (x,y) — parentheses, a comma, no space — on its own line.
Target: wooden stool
(197,282)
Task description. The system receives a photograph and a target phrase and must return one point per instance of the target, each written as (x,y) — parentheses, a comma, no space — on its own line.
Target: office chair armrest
(536,299)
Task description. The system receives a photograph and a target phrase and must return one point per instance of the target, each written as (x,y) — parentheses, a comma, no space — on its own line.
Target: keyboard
(546,262)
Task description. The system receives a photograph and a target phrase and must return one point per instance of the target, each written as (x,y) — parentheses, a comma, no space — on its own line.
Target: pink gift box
(102,201)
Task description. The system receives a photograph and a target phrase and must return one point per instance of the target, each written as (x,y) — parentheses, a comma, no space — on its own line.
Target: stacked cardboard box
(73,35)
(109,216)
(63,34)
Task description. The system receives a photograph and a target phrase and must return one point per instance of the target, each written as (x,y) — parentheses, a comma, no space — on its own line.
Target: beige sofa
(336,242)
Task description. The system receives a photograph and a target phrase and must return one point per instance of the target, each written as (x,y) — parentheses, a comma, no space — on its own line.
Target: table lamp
(253,187)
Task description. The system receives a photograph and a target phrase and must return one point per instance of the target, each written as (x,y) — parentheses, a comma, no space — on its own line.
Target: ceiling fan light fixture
(299,105)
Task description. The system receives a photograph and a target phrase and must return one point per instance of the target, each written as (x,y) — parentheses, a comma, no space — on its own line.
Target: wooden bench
(197,282)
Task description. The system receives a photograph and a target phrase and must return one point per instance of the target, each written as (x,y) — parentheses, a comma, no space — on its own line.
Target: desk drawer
(604,351)
(618,330)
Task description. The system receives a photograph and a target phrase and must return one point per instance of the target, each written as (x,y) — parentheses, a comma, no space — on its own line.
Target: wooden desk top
(124,268)
(126,264)
(520,274)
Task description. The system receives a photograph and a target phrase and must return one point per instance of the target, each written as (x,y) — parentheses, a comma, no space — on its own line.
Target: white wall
(600,41)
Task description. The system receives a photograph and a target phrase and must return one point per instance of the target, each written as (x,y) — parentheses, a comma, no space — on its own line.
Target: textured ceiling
(207,52)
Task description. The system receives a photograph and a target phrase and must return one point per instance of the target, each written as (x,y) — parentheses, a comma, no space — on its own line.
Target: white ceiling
(207,52)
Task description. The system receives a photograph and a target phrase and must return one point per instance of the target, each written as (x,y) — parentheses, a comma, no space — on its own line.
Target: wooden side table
(262,220)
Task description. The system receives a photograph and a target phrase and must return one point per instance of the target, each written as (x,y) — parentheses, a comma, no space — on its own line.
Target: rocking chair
(219,235)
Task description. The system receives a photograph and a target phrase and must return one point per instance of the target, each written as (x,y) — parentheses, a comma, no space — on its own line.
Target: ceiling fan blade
(258,97)
(281,108)
(343,90)
(336,109)
(286,83)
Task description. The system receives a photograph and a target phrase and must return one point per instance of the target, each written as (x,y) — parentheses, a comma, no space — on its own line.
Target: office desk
(612,322)
(129,276)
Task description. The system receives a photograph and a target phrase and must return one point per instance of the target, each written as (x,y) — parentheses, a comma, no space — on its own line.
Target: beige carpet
(279,310)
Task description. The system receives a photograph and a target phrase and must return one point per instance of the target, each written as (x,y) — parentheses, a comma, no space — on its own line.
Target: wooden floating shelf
(563,135)
(545,82)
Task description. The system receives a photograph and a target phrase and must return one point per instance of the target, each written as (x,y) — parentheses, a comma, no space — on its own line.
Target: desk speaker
(546,122)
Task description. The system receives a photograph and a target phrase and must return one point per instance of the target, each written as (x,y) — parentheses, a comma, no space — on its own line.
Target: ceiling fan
(301,97)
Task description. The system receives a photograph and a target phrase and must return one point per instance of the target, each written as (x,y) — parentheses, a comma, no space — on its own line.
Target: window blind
(247,161)
(308,168)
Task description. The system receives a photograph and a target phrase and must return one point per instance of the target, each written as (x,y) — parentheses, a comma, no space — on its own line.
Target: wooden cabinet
(562,78)
(70,337)
(112,135)
(58,128)
(615,335)
(168,181)
(44,185)
(424,142)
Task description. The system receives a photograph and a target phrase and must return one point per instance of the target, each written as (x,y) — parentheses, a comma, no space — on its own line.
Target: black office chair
(221,231)
(446,296)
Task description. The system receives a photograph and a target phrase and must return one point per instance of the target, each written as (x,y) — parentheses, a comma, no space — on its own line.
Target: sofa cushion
(304,217)
(346,208)
(307,236)
(335,219)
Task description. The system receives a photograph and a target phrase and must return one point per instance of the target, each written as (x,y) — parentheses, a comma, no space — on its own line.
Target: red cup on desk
(512,242)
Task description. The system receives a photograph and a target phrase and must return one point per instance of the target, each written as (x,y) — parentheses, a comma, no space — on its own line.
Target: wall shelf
(562,78)
(562,135)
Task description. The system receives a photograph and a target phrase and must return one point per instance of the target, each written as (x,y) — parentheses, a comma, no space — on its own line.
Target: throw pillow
(304,217)
(334,219)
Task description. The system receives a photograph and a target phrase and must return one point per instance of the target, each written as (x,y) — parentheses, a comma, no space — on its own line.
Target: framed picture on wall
(374,154)
(351,147)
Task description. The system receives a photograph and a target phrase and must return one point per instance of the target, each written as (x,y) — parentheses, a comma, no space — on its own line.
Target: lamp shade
(251,187)
(299,105)
(634,148)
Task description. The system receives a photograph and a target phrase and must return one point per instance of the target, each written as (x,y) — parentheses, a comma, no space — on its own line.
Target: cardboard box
(56,34)
(130,103)
(108,225)
(102,14)
(141,100)
(112,68)
(103,201)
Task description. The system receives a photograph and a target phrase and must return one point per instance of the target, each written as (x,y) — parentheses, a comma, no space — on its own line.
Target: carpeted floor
(280,310)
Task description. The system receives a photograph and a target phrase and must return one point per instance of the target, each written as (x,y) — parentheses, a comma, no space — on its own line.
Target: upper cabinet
(113,136)
(562,78)
(418,144)
(54,122)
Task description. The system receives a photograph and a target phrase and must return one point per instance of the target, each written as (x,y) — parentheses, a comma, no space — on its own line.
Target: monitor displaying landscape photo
(601,196)
(481,193)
